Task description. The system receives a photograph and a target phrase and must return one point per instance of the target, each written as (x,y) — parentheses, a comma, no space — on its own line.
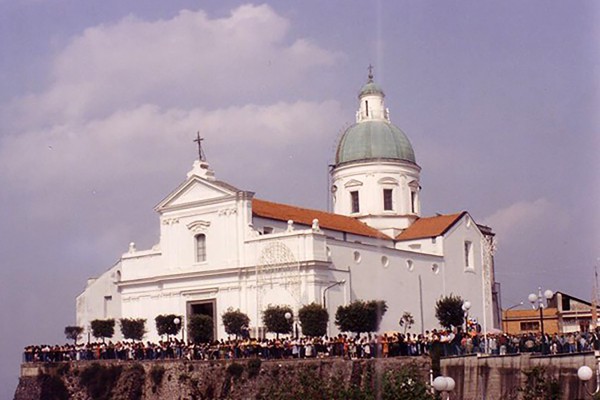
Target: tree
(73,332)
(314,318)
(540,385)
(405,383)
(165,324)
(449,312)
(235,322)
(133,328)
(103,328)
(275,321)
(360,316)
(200,328)
(407,321)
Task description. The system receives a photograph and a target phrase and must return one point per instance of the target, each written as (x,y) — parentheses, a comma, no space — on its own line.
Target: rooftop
(430,226)
(305,216)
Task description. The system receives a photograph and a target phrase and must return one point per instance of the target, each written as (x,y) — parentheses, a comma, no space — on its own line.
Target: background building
(565,314)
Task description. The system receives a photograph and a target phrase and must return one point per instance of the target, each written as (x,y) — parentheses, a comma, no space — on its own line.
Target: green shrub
(235,370)
(540,385)
(133,328)
(254,367)
(103,328)
(235,322)
(157,372)
(360,316)
(132,382)
(275,321)
(314,318)
(52,388)
(200,328)
(99,380)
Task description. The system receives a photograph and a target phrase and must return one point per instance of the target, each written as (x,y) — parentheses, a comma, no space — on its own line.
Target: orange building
(564,314)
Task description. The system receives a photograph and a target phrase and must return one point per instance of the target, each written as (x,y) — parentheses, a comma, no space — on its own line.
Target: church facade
(220,247)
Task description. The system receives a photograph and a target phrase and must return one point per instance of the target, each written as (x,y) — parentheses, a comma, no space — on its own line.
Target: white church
(221,247)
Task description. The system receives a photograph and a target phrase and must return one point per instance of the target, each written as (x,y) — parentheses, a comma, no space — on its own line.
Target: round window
(357,257)
(435,268)
(410,265)
(385,262)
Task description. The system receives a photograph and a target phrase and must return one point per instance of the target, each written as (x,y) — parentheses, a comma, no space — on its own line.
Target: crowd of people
(442,343)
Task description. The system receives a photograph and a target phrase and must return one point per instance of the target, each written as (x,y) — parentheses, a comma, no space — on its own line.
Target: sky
(100,102)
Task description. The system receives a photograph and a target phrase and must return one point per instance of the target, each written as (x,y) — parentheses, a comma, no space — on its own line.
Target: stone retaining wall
(498,377)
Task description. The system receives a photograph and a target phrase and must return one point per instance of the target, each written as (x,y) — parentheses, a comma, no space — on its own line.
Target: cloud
(125,100)
(105,157)
(524,218)
(188,59)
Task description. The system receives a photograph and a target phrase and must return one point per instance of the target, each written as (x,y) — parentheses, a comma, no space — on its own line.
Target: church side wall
(100,300)
(468,281)
(380,273)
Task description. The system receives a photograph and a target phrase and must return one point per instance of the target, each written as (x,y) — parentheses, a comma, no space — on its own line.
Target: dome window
(354,201)
(387,200)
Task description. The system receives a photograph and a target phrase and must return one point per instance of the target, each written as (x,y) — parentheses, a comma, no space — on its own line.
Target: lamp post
(537,302)
(288,316)
(505,314)
(329,287)
(585,373)
(466,307)
(177,321)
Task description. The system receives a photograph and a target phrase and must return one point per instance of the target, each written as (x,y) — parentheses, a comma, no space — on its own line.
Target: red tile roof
(430,226)
(305,216)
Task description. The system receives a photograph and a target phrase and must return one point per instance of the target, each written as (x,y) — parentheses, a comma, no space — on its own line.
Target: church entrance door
(204,307)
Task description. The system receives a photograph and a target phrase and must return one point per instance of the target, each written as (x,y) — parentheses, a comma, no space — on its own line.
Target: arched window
(200,247)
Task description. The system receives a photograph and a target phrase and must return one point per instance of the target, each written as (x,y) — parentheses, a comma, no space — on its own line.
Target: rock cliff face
(236,380)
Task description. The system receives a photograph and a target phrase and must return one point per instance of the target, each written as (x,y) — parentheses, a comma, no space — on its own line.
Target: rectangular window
(387,199)
(413,202)
(468,254)
(354,198)
(200,247)
(566,304)
(107,301)
(530,326)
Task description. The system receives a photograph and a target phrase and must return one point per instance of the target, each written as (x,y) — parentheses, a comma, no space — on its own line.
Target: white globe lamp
(440,384)
(451,384)
(585,373)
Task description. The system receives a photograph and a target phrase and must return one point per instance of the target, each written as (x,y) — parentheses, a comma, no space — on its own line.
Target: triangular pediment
(196,190)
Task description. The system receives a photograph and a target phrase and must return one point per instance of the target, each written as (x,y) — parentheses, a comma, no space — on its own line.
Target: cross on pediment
(199,140)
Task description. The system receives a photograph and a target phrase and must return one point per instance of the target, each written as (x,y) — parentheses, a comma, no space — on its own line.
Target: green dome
(374,140)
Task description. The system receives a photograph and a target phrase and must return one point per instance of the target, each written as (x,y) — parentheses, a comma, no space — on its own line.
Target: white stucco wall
(249,269)
(370,179)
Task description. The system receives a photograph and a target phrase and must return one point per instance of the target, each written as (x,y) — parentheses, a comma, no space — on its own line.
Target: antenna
(594,322)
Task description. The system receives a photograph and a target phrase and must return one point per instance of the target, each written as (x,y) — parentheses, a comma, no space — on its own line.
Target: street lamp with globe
(177,321)
(585,373)
(466,307)
(288,316)
(444,385)
(537,302)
